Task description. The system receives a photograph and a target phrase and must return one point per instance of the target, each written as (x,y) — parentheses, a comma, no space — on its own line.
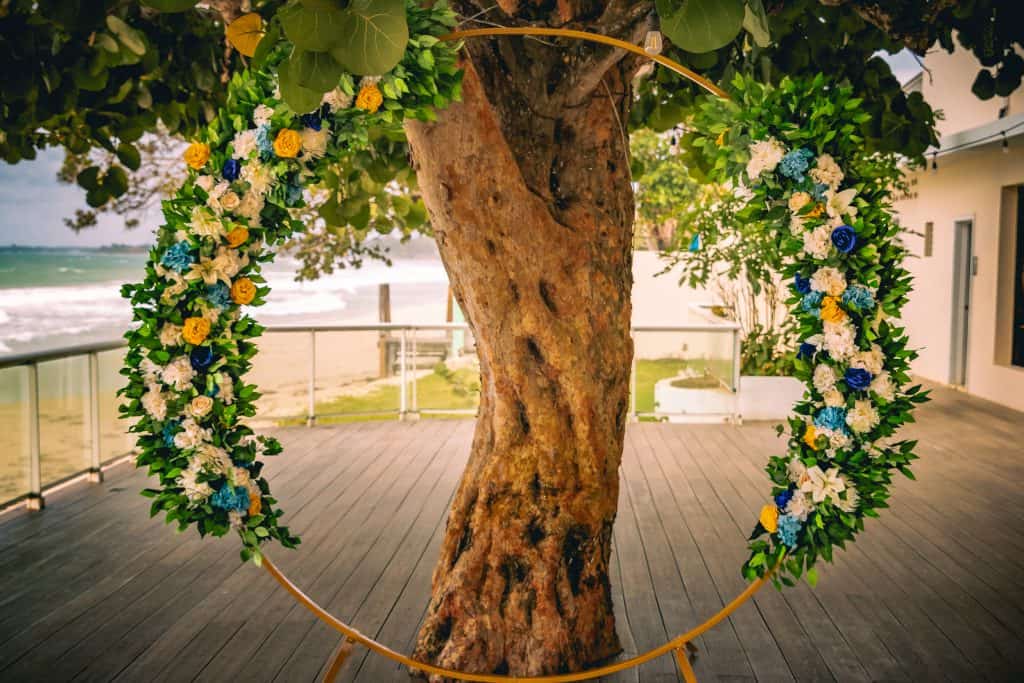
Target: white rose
(229,201)
(200,406)
(799,200)
(765,155)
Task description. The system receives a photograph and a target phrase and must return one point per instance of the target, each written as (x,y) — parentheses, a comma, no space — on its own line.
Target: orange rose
(369,98)
(770,518)
(243,291)
(196,330)
(830,310)
(287,143)
(197,155)
(237,236)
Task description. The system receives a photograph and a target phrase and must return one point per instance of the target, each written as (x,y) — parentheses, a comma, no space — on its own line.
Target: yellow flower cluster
(770,517)
(237,236)
(287,143)
(243,291)
(196,330)
(197,155)
(830,310)
(369,98)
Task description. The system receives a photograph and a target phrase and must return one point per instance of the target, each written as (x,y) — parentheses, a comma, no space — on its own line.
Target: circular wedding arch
(846,284)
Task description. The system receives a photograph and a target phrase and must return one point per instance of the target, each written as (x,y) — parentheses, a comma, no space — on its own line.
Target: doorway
(964,268)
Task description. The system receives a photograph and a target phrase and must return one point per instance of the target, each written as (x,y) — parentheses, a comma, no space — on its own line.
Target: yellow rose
(811,437)
(255,505)
(197,155)
(243,291)
(770,517)
(237,236)
(830,310)
(369,98)
(196,330)
(287,143)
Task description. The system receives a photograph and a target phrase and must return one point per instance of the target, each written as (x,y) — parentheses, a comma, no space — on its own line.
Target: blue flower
(859,297)
(806,350)
(782,499)
(789,527)
(311,120)
(264,142)
(231,498)
(294,194)
(178,257)
(231,169)
(695,243)
(796,163)
(201,358)
(831,418)
(802,284)
(811,303)
(170,429)
(845,238)
(858,379)
(219,294)
(818,191)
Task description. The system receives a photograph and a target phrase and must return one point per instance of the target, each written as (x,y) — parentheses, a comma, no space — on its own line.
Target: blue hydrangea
(219,294)
(796,163)
(789,527)
(802,284)
(178,257)
(231,498)
(859,297)
(811,303)
(782,499)
(831,418)
(263,141)
(818,191)
(170,429)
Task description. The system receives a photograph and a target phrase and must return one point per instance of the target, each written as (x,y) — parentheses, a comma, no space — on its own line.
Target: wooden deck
(92,589)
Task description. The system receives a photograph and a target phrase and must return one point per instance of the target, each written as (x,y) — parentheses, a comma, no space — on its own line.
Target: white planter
(768,398)
(678,401)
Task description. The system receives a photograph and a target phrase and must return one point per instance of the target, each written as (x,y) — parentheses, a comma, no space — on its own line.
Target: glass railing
(59,409)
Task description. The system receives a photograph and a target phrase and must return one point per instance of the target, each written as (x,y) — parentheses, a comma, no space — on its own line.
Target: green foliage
(701,25)
(824,118)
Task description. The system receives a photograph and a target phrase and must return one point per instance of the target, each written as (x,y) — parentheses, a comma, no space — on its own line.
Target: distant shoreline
(109,248)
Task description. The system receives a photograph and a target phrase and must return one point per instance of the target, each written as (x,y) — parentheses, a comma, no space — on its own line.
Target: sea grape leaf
(376,33)
(700,25)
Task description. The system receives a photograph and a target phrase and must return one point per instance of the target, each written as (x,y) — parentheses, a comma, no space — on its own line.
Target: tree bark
(528,187)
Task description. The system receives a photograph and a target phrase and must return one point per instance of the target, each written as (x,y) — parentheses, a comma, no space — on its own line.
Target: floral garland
(256,162)
(795,157)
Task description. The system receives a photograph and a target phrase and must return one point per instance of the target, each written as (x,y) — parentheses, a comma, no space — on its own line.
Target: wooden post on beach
(384,313)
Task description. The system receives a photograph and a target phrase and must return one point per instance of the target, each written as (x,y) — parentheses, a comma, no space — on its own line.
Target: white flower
(799,506)
(150,370)
(818,242)
(797,471)
(154,402)
(827,171)
(199,407)
(863,417)
(337,99)
(205,182)
(244,143)
(873,361)
(765,155)
(229,201)
(230,261)
(261,115)
(828,280)
(210,271)
(824,378)
(250,208)
(226,386)
(836,439)
(834,398)
(849,503)
(235,519)
(178,373)
(796,226)
(259,177)
(170,335)
(839,205)
(839,340)
(822,484)
(314,142)
(191,435)
(195,491)
(216,459)
(883,386)
(369,80)
(205,224)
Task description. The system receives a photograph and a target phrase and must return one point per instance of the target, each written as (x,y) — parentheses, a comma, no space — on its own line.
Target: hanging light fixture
(935,164)
(653,43)
(1006,144)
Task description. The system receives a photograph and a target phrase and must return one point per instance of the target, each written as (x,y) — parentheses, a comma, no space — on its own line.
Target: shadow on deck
(93,589)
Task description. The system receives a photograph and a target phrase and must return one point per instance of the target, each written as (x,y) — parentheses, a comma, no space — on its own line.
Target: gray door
(963,271)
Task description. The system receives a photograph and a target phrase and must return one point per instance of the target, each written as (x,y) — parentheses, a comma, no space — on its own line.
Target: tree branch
(914,27)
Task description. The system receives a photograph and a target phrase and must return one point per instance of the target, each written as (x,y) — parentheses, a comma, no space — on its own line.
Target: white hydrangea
(195,491)
(799,506)
(337,99)
(818,242)
(154,402)
(178,373)
(259,177)
(827,172)
(192,435)
(863,417)
(244,143)
(873,361)
(765,155)
(314,142)
(883,386)
(824,378)
(261,115)
(828,280)
(170,335)
(839,340)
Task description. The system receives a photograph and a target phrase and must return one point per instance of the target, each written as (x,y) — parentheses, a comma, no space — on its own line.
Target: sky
(33,203)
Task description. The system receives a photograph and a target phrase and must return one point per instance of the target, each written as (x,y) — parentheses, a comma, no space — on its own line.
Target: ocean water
(58,297)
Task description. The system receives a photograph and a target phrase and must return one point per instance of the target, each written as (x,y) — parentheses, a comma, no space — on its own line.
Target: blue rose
(782,499)
(845,238)
(831,418)
(311,120)
(219,294)
(231,498)
(231,169)
(170,429)
(796,163)
(178,257)
(789,527)
(802,284)
(858,379)
(201,358)
(806,350)
(811,303)
(859,297)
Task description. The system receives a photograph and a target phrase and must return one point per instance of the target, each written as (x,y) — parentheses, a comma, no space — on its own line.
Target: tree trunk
(528,187)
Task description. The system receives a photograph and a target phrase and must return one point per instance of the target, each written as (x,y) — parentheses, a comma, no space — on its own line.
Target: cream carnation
(150,370)
(799,506)
(191,435)
(863,417)
(170,335)
(244,143)
(337,99)
(154,402)
(824,378)
(834,398)
(226,387)
(195,491)
(883,386)
(765,155)
(828,280)
(827,172)
(178,373)
(849,503)
(873,361)
(259,177)
(250,208)
(839,340)
(818,242)
(214,458)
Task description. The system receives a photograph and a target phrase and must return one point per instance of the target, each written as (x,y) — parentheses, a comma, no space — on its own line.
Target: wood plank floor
(91,589)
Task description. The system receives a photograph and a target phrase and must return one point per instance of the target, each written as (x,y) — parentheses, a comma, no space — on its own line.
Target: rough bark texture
(527,182)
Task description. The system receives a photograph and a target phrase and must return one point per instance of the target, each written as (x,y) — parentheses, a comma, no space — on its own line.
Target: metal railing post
(415,379)
(736,416)
(632,389)
(95,468)
(311,408)
(402,374)
(35,499)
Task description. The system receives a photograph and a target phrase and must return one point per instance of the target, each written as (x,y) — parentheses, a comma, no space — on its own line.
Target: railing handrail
(34,357)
